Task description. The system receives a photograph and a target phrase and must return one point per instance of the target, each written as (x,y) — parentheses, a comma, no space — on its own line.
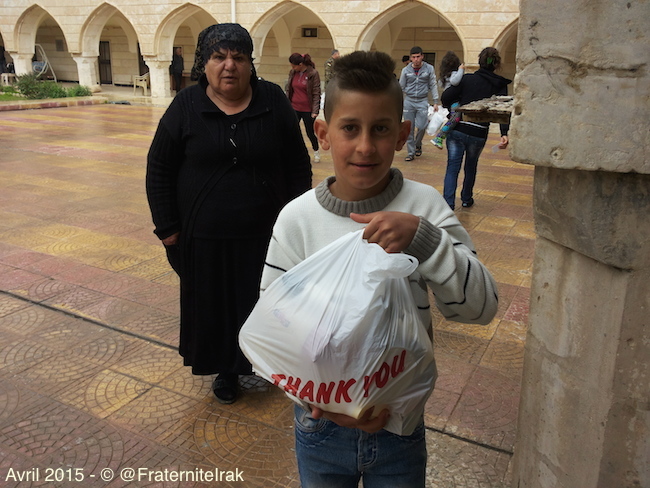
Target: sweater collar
(344,208)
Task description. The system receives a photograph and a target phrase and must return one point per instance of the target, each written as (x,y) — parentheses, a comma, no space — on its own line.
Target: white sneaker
(316,157)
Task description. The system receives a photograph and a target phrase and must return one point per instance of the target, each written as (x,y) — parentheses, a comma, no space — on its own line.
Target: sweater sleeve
(433,87)
(463,288)
(456,76)
(163,162)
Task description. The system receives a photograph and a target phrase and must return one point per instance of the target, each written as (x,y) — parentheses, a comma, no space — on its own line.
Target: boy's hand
(364,423)
(394,231)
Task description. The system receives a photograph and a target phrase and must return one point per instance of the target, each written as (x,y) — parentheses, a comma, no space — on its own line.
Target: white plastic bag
(341,331)
(436,119)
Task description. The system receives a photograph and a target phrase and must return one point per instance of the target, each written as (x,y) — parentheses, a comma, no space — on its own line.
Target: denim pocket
(306,424)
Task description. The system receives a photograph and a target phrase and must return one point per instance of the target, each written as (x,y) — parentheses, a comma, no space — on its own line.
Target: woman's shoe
(418,152)
(225,387)
(409,158)
(468,203)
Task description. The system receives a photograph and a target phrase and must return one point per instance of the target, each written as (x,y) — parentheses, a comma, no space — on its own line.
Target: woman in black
(467,139)
(227,155)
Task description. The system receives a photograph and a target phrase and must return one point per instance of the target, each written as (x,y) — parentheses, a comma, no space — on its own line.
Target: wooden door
(105,73)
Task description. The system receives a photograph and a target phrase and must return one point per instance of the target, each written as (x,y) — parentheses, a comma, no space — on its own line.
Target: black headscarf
(217,37)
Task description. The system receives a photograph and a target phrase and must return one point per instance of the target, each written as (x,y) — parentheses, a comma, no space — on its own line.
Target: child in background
(451,72)
(363,128)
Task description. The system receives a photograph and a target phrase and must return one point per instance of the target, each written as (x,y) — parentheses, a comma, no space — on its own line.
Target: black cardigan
(196,143)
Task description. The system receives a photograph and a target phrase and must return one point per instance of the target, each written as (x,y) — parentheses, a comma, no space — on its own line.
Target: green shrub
(27,85)
(79,91)
(50,89)
(33,88)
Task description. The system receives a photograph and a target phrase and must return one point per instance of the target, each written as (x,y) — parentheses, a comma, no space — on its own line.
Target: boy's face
(363,133)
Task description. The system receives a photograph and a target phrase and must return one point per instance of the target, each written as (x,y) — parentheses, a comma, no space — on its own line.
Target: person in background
(406,59)
(467,139)
(3,61)
(303,90)
(418,81)
(363,128)
(328,65)
(176,68)
(451,72)
(226,156)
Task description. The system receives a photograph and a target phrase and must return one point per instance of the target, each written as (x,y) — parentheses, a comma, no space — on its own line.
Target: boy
(363,129)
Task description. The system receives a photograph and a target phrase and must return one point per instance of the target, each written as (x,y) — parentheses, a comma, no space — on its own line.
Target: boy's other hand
(364,423)
(394,231)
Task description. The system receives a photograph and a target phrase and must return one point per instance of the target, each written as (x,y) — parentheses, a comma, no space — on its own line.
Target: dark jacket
(472,87)
(313,87)
(205,165)
(177,64)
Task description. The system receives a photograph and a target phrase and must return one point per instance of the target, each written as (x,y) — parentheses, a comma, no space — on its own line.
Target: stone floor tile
(462,346)
(487,409)
(149,362)
(456,464)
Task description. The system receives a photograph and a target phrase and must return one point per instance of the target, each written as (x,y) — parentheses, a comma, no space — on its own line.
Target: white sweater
(463,288)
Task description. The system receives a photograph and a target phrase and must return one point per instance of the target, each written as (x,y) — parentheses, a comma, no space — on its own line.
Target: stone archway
(35,22)
(506,43)
(180,28)
(279,33)
(109,25)
(407,24)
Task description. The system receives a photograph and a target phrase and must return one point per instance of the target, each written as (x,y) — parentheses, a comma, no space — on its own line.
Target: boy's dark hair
(450,63)
(363,71)
(416,50)
(489,59)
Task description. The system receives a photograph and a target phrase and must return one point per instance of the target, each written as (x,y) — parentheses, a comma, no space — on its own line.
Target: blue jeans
(459,144)
(417,112)
(330,456)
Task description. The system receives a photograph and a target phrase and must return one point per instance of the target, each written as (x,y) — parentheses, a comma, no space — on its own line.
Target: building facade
(95,42)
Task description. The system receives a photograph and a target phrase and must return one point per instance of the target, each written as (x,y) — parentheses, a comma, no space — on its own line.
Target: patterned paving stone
(151,322)
(158,414)
(104,393)
(75,300)
(463,346)
(456,464)
(149,362)
(42,290)
(487,410)
(9,304)
(505,357)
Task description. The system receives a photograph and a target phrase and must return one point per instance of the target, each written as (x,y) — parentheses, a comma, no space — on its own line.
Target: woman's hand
(394,231)
(313,116)
(364,423)
(171,240)
(504,142)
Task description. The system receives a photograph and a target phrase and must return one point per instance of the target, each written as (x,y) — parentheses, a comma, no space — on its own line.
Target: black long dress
(220,180)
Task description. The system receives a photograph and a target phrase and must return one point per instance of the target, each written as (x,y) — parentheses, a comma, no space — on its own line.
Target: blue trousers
(460,144)
(330,456)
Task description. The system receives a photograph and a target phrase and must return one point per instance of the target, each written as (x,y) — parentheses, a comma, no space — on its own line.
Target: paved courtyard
(91,385)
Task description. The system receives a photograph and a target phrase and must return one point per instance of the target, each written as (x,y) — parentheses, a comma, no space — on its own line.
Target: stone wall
(581,116)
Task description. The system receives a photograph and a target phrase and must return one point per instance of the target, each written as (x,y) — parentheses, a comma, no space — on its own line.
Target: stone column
(22,63)
(87,70)
(581,116)
(159,76)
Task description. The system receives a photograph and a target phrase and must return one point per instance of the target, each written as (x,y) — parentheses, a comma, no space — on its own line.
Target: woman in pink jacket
(303,90)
